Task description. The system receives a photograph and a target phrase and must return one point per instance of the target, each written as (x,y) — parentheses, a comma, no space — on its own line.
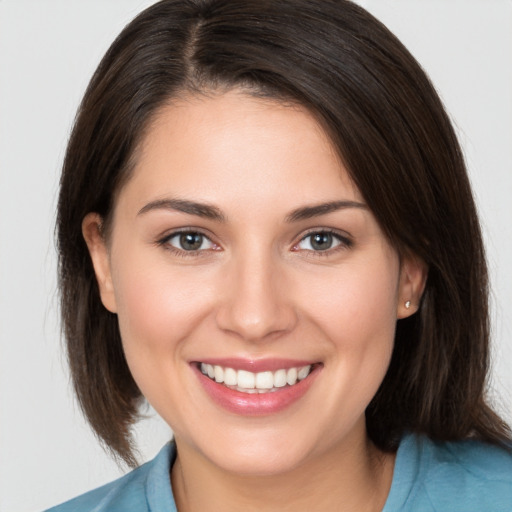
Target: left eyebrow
(308,212)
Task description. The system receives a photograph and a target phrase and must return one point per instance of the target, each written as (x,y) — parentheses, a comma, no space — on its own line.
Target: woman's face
(241,248)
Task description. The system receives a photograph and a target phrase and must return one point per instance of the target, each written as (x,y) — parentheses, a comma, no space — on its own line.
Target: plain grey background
(48,51)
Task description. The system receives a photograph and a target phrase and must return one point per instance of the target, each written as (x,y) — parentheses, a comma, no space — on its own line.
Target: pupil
(191,241)
(321,241)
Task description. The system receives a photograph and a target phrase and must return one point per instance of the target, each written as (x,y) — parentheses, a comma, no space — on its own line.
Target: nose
(256,304)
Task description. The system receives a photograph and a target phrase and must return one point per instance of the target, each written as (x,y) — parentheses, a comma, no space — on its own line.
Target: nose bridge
(256,303)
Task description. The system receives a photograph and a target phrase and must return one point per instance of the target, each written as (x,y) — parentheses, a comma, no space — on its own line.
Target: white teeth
(230,377)
(280,378)
(249,382)
(291,376)
(303,372)
(219,373)
(246,380)
(264,380)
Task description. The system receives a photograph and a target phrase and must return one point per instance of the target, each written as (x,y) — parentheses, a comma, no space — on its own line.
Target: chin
(260,464)
(258,453)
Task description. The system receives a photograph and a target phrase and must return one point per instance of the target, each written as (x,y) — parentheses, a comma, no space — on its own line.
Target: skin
(256,289)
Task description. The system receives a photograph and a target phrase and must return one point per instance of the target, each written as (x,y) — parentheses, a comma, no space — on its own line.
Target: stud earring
(407,304)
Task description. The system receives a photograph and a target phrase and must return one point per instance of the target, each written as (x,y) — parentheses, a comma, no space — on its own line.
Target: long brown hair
(393,135)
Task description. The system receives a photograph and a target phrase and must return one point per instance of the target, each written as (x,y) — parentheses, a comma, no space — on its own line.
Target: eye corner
(295,247)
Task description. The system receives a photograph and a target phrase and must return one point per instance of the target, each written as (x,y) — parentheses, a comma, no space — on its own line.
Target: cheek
(356,305)
(158,306)
(158,310)
(356,309)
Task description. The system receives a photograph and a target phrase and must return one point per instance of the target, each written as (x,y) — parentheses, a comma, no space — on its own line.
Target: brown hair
(392,132)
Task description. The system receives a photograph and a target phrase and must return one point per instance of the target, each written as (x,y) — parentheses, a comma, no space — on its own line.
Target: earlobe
(413,277)
(98,250)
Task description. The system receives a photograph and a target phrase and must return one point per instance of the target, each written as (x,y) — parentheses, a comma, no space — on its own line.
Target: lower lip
(256,404)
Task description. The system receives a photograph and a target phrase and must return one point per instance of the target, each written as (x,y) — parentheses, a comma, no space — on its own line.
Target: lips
(256,388)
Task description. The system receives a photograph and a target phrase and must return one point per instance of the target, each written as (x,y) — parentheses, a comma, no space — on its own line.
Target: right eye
(188,242)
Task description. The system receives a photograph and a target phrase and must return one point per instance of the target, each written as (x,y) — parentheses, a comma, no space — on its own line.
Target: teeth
(280,378)
(303,372)
(291,376)
(264,380)
(230,377)
(249,382)
(246,379)
(218,373)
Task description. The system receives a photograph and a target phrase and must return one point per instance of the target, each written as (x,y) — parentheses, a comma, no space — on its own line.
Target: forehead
(234,145)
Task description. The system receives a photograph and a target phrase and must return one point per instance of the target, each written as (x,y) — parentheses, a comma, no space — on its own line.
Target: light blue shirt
(464,476)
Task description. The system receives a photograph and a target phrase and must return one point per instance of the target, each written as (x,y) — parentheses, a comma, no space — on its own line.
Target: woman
(267,231)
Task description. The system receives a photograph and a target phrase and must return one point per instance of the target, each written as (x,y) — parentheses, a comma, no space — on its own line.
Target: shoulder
(134,491)
(482,473)
(457,476)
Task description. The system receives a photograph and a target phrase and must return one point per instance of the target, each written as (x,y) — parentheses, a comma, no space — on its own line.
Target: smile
(249,382)
(256,388)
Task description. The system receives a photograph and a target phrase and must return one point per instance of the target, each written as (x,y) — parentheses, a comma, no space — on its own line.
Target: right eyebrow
(182,205)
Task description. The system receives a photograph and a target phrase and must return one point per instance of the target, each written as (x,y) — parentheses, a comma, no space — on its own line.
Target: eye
(321,241)
(189,241)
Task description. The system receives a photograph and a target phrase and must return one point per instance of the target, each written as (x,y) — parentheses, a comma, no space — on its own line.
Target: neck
(354,477)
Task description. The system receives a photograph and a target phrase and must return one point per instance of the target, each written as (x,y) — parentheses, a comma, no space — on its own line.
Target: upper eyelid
(343,235)
(180,231)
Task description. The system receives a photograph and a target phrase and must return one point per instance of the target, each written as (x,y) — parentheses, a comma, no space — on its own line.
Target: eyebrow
(182,205)
(212,212)
(308,212)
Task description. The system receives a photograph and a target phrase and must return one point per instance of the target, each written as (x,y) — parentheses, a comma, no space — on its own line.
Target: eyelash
(164,242)
(344,243)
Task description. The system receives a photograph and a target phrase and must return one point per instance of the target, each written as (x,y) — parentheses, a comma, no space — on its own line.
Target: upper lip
(256,365)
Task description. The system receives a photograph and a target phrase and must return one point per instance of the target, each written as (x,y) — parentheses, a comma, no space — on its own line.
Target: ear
(92,232)
(413,277)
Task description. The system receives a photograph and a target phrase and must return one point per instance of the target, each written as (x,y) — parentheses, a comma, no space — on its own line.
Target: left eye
(190,241)
(319,241)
